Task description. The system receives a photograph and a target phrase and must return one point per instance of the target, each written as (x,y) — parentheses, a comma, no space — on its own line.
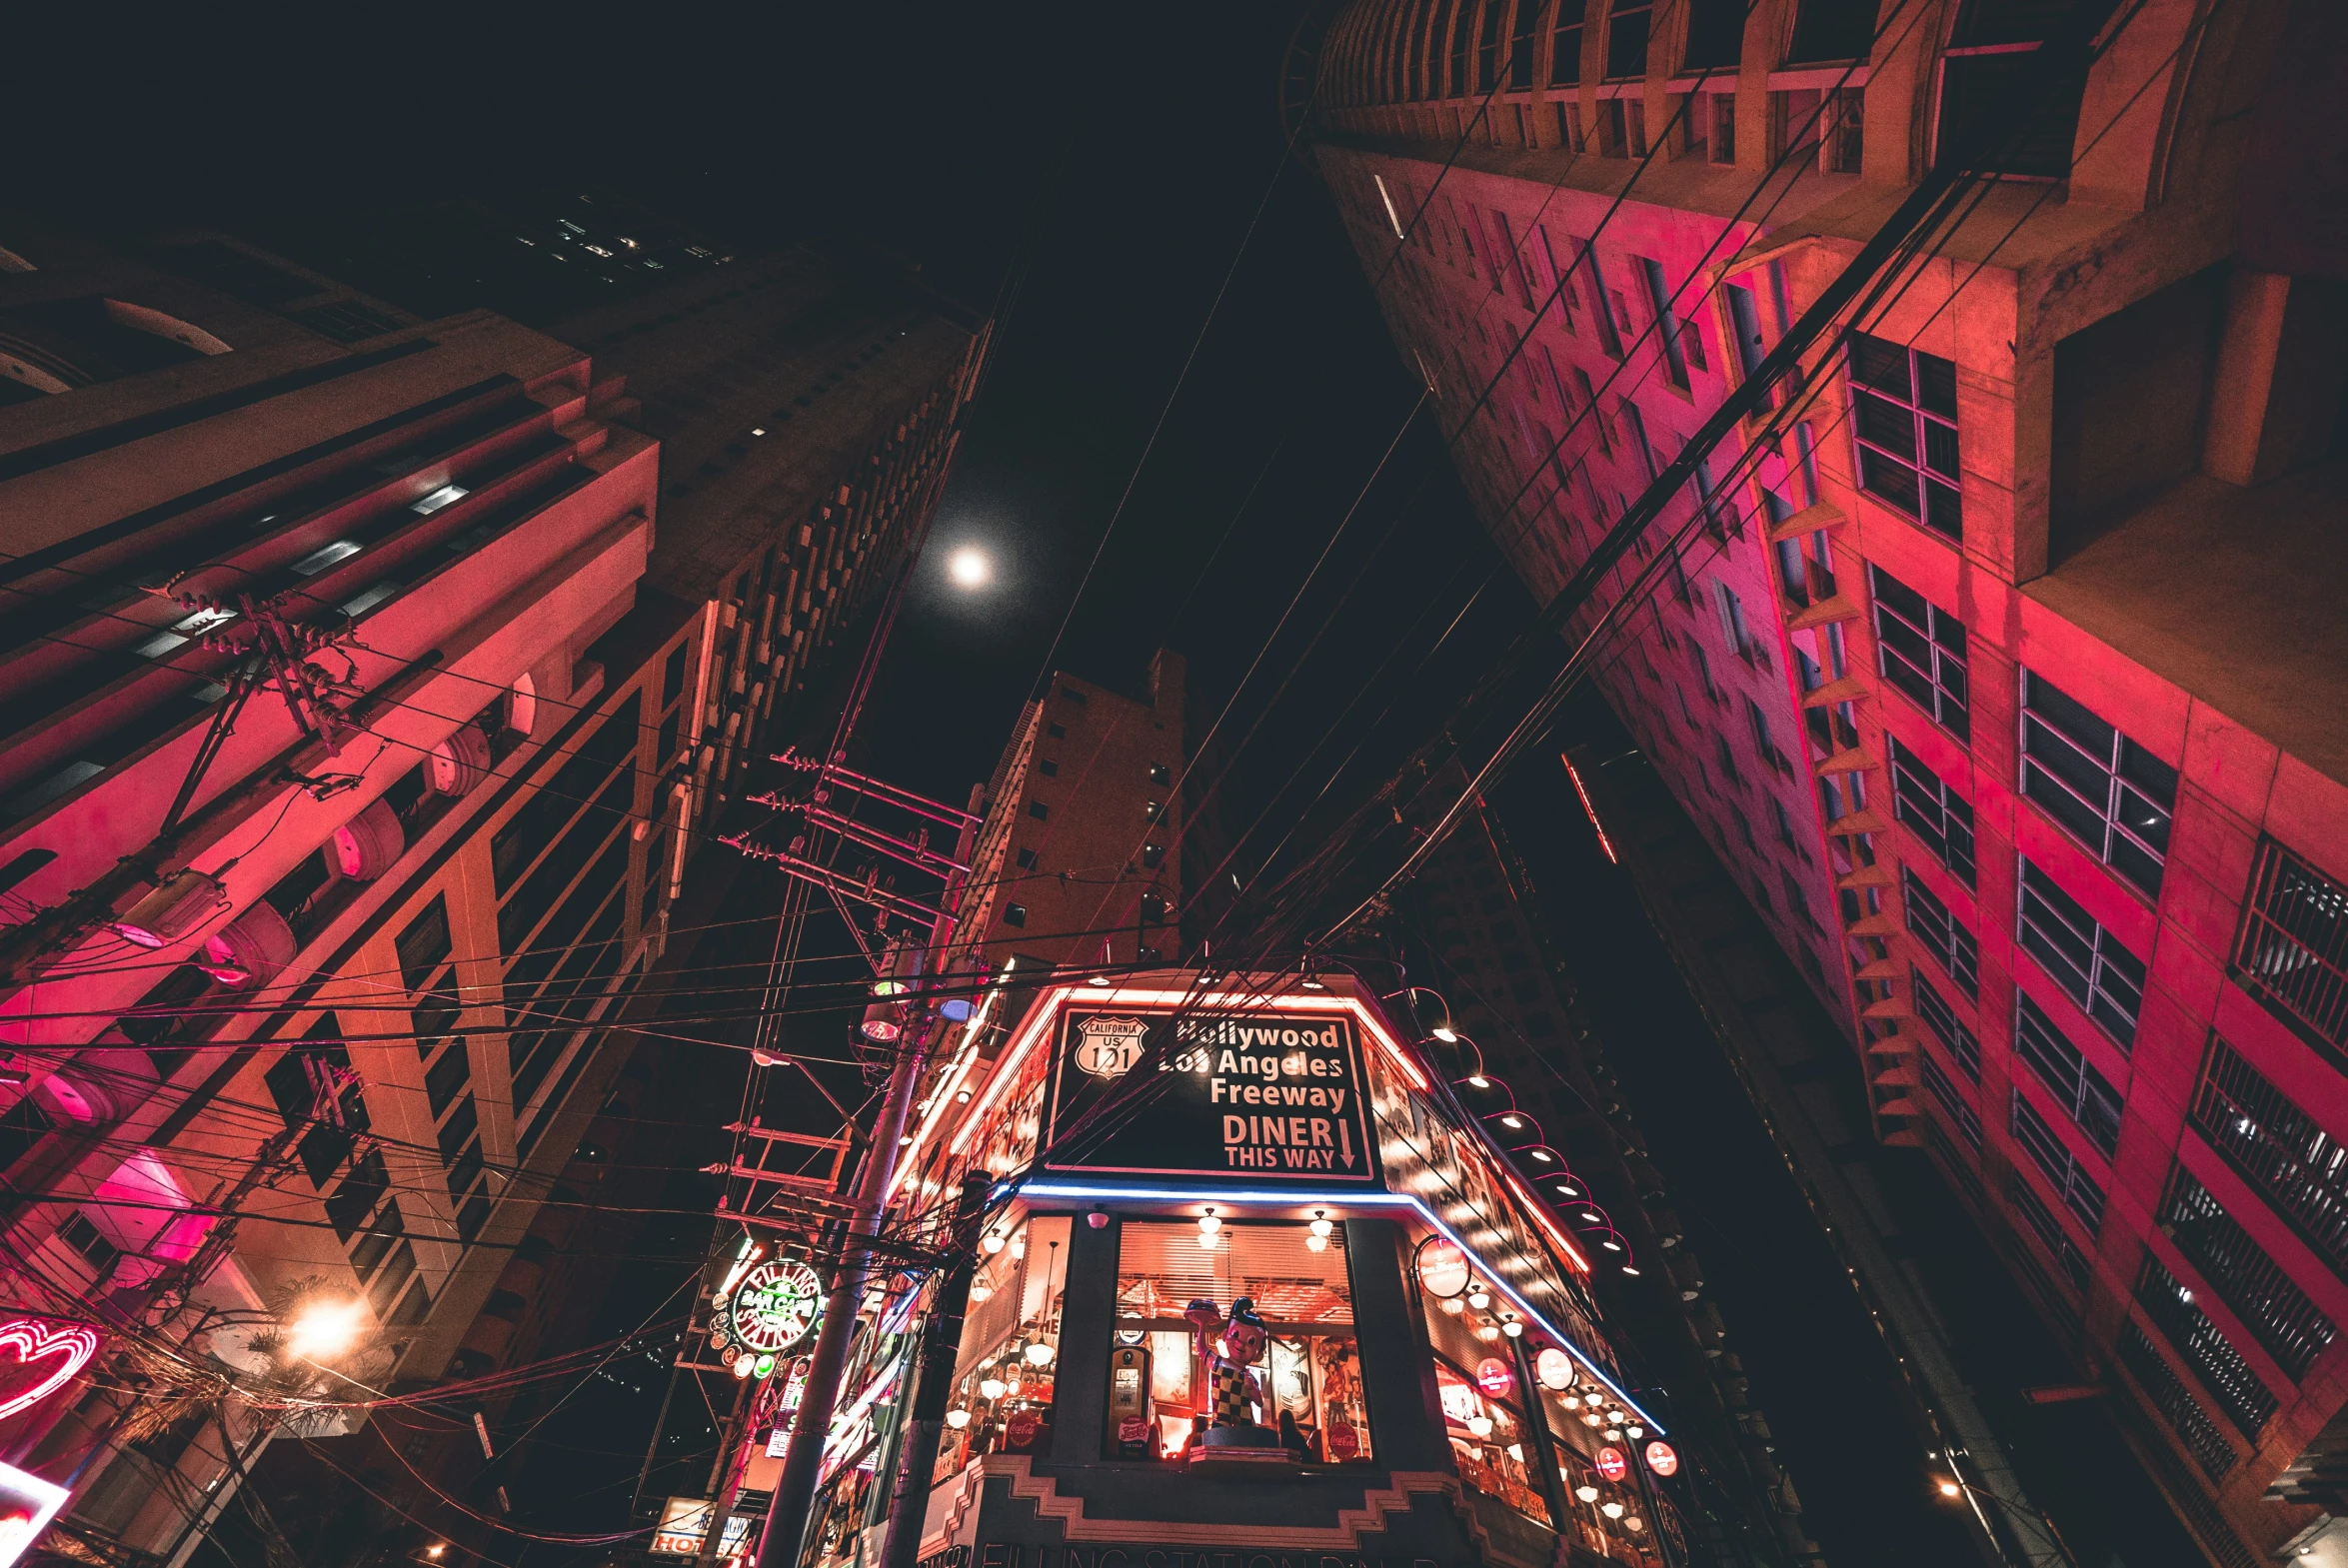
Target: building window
(1716,34)
(2112,794)
(2202,1437)
(1935,814)
(2081,1193)
(1520,44)
(1923,652)
(1961,1042)
(2049,1231)
(1667,323)
(2077,954)
(1016,1300)
(1027,860)
(1073,696)
(1950,944)
(1048,768)
(2278,1149)
(1160,773)
(1309,1374)
(1057,731)
(2205,1348)
(1904,411)
(2270,1304)
(1015,915)
(78,1233)
(1721,144)
(2084,1094)
(1152,855)
(1829,32)
(1566,44)
(2292,954)
(1627,38)
(1943,1089)
(1039,810)
(1989,48)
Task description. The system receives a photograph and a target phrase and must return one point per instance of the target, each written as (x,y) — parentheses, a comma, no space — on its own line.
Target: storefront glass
(1308,1378)
(1009,1348)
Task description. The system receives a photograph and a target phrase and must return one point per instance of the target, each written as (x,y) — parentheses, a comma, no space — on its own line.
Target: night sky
(1104,162)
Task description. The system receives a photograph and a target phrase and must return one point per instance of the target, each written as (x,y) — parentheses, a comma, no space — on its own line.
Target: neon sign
(34,1340)
(27,1504)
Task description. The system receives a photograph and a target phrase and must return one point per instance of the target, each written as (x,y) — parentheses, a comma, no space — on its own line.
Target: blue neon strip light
(1062,1189)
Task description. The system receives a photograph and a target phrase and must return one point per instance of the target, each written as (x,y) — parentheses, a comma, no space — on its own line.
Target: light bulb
(744,1365)
(1209,1223)
(1611,1510)
(1593,1418)
(1322,1225)
(1480,1298)
(1454,1305)
(981,1292)
(1542,1155)
(1634,1523)
(1207,1239)
(1481,1425)
(1614,1434)
(1480,1080)
(991,1244)
(1513,1123)
(1516,1452)
(1636,1432)
(1019,1248)
(1488,1332)
(1589,1494)
(991,1388)
(1572,1401)
(1512,1329)
(1316,1243)
(1038,1354)
(957,1419)
(1950,1489)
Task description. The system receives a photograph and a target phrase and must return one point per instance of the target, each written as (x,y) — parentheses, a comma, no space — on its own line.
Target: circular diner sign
(774,1308)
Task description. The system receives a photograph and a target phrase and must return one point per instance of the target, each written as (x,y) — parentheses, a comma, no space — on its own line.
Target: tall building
(1081,861)
(1996,679)
(374,682)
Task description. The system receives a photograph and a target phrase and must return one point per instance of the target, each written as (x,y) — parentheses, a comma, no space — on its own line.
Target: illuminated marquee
(69,1345)
(773,1309)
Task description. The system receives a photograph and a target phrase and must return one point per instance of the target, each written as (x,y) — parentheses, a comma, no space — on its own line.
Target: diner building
(1253,1286)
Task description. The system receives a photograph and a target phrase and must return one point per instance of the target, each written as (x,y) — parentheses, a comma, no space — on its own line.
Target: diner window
(1009,1361)
(1490,1442)
(1308,1377)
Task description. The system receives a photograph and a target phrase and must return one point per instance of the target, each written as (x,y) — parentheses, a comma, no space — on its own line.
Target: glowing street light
(326,1328)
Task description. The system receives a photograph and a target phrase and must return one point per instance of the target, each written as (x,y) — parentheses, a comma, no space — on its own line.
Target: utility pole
(728,1437)
(794,1492)
(909,1505)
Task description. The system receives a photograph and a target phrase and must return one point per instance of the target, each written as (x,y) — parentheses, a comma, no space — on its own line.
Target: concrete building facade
(2003,676)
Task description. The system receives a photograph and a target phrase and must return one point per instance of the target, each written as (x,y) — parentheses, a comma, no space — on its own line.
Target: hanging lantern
(957,1419)
(1589,1494)
(1611,1510)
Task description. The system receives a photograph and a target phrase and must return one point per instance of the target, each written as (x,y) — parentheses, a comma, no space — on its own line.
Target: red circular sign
(1019,1432)
(1493,1377)
(1661,1458)
(1611,1464)
(1344,1441)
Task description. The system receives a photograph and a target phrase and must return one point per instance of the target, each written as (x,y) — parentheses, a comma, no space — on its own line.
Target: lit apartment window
(2270,1304)
(1566,44)
(2112,794)
(2077,954)
(1941,1018)
(1939,818)
(1904,410)
(1923,652)
(1943,1089)
(1989,48)
(2293,951)
(1627,37)
(2278,1149)
(2205,1348)
(2202,1437)
(2082,1091)
(1942,933)
(2049,1231)
(2080,1192)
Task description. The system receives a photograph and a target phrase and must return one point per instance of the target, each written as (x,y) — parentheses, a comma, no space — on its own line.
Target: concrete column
(1397,1361)
(1087,1316)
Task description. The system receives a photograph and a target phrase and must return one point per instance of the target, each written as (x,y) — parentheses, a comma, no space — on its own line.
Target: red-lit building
(2005,681)
(370,684)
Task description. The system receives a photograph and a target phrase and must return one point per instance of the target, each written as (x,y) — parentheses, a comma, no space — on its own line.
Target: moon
(969,568)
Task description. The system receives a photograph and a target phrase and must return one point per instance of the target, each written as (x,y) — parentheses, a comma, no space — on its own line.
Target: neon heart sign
(34,1340)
